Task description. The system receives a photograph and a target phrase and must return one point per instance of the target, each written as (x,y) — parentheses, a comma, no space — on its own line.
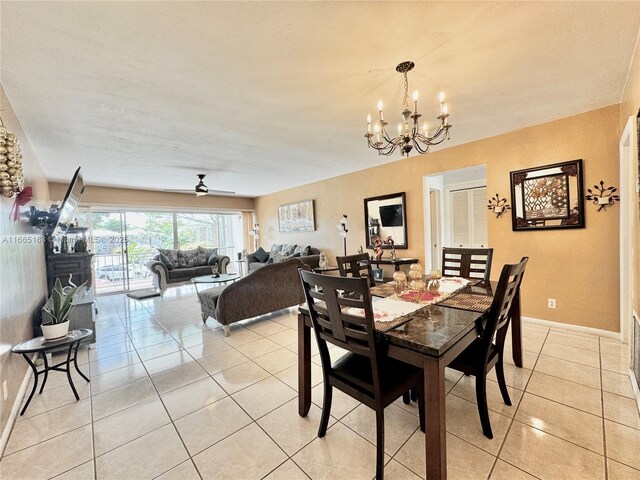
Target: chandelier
(409,135)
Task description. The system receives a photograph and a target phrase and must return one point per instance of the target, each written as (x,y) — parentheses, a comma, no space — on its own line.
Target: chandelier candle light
(409,135)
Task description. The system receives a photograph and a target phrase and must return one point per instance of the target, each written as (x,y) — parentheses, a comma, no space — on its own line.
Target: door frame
(628,188)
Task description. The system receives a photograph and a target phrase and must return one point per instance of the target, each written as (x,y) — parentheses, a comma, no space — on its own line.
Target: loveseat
(273,287)
(282,252)
(176,266)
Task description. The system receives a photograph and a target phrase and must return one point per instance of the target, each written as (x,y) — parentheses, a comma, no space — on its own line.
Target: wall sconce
(498,205)
(604,197)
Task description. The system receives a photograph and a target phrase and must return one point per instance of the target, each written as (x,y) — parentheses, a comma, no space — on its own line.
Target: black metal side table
(40,345)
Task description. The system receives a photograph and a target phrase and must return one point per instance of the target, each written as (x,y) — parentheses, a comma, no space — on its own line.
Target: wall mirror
(386,217)
(548,197)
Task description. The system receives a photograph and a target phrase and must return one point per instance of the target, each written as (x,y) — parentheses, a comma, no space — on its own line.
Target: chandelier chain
(405,102)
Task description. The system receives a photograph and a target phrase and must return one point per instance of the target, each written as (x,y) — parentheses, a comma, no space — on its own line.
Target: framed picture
(548,197)
(296,217)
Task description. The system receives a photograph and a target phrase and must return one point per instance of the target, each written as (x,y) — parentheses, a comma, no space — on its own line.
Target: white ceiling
(266,96)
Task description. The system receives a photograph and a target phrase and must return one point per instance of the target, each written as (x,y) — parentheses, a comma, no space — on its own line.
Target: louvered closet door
(479,236)
(460,218)
(469,218)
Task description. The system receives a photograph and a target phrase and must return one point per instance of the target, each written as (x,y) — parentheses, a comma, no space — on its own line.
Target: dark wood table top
(432,330)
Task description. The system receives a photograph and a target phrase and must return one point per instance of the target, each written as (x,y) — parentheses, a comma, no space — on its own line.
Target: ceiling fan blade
(190,190)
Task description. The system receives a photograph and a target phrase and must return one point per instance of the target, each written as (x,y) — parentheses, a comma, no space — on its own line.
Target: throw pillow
(261,255)
(167,263)
(205,256)
(302,251)
(287,249)
(296,255)
(279,257)
(187,258)
(170,254)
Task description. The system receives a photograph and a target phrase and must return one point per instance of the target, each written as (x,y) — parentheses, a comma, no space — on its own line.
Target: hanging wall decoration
(603,197)
(11,177)
(498,205)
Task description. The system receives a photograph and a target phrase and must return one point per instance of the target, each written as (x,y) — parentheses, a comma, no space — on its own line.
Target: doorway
(455,211)
(628,187)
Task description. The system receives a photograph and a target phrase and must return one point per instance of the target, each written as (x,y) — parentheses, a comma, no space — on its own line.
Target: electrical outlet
(5,390)
(551,302)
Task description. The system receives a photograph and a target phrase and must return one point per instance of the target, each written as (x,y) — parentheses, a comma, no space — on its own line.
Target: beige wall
(629,107)
(23,285)
(576,267)
(146,198)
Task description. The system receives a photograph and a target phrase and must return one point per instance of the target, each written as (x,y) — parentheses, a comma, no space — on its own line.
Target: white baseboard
(574,328)
(15,409)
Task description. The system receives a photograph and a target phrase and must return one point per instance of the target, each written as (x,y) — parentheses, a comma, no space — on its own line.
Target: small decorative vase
(415,274)
(55,330)
(401,281)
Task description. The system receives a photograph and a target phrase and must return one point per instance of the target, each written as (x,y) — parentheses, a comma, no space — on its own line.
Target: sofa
(268,289)
(177,266)
(282,252)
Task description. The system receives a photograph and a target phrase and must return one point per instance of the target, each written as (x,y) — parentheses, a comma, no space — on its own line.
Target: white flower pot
(53,331)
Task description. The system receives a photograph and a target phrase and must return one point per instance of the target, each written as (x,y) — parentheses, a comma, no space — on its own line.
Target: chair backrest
(358,265)
(499,313)
(467,262)
(332,322)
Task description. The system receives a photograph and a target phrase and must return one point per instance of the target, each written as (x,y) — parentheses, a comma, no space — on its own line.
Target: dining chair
(365,372)
(487,350)
(358,265)
(467,262)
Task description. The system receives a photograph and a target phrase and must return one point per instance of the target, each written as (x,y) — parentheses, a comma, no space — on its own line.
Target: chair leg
(414,394)
(379,445)
(326,409)
(481,397)
(406,398)
(421,408)
(502,382)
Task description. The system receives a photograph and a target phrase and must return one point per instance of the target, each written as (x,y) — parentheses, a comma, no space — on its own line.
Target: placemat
(468,301)
(389,313)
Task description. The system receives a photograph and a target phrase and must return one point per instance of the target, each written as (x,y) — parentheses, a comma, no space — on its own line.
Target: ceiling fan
(201,189)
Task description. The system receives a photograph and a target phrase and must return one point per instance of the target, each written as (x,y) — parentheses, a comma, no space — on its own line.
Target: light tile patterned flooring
(172,398)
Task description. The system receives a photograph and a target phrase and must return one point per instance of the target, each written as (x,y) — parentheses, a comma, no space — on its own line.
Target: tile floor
(172,398)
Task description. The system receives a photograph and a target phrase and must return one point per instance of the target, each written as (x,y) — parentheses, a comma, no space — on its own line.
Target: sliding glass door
(124,241)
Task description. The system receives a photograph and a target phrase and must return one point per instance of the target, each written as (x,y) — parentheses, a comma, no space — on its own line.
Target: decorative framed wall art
(548,197)
(296,217)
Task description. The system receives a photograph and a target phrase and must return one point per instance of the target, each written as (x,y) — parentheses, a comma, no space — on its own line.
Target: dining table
(430,338)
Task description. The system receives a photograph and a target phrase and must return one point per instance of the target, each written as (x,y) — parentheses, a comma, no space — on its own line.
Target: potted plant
(55,313)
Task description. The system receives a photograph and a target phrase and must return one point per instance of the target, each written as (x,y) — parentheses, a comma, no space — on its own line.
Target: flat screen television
(391,215)
(68,207)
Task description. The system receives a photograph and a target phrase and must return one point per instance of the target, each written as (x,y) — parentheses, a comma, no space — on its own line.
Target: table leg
(304,366)
(46,372)
(435,415)
(35,382)
(73,387)
(75,363)
(516,330)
